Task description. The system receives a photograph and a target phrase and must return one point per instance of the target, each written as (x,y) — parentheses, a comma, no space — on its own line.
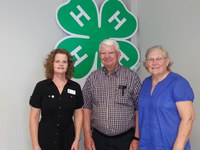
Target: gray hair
(111,43)
(164,53)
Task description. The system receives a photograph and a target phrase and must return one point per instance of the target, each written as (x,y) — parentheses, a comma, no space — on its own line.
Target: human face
(60,64)
(109,57)
(156,63)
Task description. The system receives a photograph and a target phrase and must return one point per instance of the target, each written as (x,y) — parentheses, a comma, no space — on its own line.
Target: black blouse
(57,111)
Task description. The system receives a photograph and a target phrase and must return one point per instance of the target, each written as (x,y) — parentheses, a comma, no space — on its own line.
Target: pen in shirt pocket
(122,87)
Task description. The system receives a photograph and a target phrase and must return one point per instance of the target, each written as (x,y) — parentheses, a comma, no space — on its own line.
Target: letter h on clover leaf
(86,26)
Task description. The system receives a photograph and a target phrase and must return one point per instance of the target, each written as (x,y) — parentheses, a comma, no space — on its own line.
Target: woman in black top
(57,99)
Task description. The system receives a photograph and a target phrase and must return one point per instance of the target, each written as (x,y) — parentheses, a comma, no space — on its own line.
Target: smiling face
(157,63)
(109,57)
(60,64)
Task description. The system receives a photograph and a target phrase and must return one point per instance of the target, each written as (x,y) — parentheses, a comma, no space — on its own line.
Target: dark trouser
(118,142)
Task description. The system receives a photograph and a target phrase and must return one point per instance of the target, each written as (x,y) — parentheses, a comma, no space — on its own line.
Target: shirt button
(60,107)
(55,142)
(58,125)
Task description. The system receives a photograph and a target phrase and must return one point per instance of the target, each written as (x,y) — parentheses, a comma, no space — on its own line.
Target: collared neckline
(114,73)
(50,81)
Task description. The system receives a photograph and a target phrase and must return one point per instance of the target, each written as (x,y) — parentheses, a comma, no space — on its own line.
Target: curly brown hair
(48,64)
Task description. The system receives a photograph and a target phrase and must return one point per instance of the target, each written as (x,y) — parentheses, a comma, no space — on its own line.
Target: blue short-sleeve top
(158,115)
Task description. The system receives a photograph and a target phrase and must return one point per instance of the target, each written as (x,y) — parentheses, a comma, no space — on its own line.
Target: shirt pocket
(71,100)
(124,96)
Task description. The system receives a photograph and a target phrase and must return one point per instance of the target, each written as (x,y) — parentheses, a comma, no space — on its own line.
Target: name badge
(70,91)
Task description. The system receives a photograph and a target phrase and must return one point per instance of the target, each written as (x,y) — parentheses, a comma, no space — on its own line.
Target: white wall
(175,25)
(28,31)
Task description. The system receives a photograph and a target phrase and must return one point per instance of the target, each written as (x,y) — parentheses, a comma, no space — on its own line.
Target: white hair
(111,43)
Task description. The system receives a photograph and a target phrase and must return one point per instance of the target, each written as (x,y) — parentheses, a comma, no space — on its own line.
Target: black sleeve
(79,103)
(36,98)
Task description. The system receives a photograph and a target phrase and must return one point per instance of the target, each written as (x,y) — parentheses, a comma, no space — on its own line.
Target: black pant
(118,142)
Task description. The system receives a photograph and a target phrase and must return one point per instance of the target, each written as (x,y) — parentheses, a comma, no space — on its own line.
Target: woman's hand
(75,145)
(37,147)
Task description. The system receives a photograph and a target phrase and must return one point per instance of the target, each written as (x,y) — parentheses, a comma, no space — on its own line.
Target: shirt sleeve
(36,98)
(182,91)
(87,94)
(79,98)
(137,88)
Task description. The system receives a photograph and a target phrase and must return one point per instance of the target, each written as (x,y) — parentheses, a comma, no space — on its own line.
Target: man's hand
(134,145)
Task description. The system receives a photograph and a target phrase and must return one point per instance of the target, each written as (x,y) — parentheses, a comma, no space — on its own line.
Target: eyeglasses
(159,59)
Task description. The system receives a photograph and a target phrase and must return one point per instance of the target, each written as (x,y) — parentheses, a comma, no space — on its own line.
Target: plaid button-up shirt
(113,99)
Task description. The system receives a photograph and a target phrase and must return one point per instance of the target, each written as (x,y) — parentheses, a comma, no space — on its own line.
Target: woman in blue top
(165,108)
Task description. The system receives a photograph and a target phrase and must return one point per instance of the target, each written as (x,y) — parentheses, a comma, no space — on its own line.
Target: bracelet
(136,138)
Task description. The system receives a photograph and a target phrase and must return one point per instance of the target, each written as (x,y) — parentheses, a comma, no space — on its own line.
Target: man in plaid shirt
(110,103)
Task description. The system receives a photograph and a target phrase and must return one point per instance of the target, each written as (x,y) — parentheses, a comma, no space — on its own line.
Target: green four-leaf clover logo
(86,27)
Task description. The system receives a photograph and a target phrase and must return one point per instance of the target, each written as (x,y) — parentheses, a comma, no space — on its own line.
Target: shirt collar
(50,81)
(114,73)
